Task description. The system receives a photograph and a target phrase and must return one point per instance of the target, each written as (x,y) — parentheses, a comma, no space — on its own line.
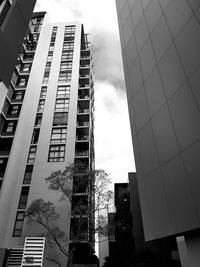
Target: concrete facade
(160,43)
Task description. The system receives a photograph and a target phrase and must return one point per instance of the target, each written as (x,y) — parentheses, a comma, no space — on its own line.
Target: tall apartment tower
(46,123)
(14,23)
(160,42)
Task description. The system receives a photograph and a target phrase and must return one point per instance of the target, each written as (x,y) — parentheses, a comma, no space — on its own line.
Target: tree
(86,207)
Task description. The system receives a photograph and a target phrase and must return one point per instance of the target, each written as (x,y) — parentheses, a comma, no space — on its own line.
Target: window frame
(63,91)
(62,104)
(59,135)
(32,154)
(60,119)
(19,220)
(41,105)
(56,153)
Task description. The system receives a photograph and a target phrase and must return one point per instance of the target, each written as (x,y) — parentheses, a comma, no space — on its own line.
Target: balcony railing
(3,133)
(4,152)
(82,97)
(82,138)
(81,110)
(85,65)
(84,86)
(83,153)
(83,123)
(84,76)
(85,57)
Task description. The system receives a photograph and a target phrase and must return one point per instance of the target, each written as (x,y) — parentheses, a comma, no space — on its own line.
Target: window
(56,153)
(50,56)
(46,73)
(25,67)
(66,65)
(70,28)
(65,76)
(19,224)
(22,81)
(23,197)
(67,55)
(32,154)
(69,38)
(63,91)
(35,36)
(45,79)
(60,118)
(58,135)
(18,95)
(68,46)
(28,56)
(14,110)
(41,105)
(62,104)
(10,127)
(38,120)
(3,164)
(35,136)
(43,92)
(28,174)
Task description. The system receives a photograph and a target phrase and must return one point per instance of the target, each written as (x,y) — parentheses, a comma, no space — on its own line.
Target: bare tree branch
(54,261)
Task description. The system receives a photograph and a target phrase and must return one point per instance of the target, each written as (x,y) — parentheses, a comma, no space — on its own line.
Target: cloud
(107,58)
(112,132)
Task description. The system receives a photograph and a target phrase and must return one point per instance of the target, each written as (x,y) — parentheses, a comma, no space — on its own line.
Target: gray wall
(160,41)
(12,33)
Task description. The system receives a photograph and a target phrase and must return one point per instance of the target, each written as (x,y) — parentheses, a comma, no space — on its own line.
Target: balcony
(83,120)
(84,106)
(5,146)
(84,94)
(3,165)
(82,134)
(29,47)
(85,54)
(82,149)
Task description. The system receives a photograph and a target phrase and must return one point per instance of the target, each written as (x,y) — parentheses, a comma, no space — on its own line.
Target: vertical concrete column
(189,250)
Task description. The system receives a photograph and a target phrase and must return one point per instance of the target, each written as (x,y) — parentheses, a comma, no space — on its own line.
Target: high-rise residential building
(46,123)
(14,23)
(160,42)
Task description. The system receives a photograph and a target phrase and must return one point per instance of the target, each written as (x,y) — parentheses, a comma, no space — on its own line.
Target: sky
(113,145)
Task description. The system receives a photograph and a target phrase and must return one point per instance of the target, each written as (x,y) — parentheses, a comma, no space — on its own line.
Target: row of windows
(67,55)
(70,29)
(61,105)
(50,55)
(27,175)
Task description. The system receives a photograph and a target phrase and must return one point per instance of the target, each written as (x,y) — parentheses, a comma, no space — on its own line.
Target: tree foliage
(74,178)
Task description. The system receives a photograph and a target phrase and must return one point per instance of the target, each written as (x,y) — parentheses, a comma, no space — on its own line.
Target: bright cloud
(112,133)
